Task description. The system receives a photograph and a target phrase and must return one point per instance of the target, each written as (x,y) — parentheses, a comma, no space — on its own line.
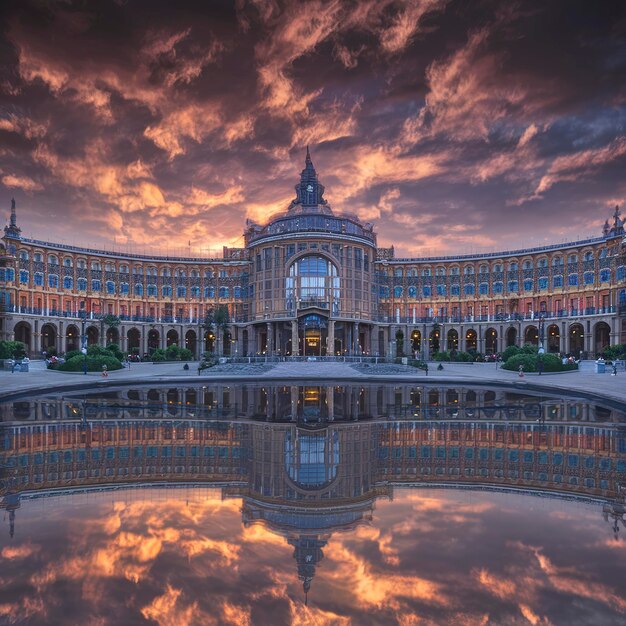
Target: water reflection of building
(312,403)
(308,478)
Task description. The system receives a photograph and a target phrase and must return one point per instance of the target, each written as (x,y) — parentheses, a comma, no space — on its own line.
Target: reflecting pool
(312,504)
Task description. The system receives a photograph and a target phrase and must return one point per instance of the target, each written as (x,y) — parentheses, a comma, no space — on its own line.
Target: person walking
(105,373)
(520,369)
(614,372)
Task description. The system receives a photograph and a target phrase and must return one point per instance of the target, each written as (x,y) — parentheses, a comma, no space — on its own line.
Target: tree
(207,324)
(109,321)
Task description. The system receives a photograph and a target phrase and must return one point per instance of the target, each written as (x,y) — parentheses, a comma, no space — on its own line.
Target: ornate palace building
(313,282)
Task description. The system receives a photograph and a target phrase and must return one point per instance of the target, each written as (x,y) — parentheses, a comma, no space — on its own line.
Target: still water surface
(312,505)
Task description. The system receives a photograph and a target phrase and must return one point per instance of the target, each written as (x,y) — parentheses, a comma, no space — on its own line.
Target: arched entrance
(312,335)
(171,339)
(23,333)
(209,341)
(93,335)
(72,338)
(554,338)
(471,340)
(491,341)
(576,339)
(601,337)
(190,341)
(228,343)
(154,340)
(511,337)
(416,342)
(133,339)
(48,339)
(435,336)
(531,336)
(453,340)
(244,342)
(112,336)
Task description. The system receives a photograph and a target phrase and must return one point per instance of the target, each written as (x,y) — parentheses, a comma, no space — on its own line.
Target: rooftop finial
(13,215)
(308,155)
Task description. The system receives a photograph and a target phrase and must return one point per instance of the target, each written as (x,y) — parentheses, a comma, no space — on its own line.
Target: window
(23,255)
(468,289)
(181,292)
(38,257)
(53,280)
(572,280)
(588,256)
(82,284)
(441,290)
(483,269)
(605,276)
(397,291)
(542,283)
(528,265)
(110,285)
(621,273)
(81,264)
(557,281)
(512,267)
(138,289)
(513,286)
(96,285)
(557,260)
(468,270)
(38,279)
(67,262)
(588,278)
(195,292)
(209,292)
(152,290)
(427,291)
(455,290)
(24,276)
(68,282)
(124,289)
(483,289)
(53,260)
(498,288)
(223,292)
(528,285)
(96,266)
(166,290)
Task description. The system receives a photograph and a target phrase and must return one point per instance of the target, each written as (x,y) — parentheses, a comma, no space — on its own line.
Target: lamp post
(542,328)
(83,337)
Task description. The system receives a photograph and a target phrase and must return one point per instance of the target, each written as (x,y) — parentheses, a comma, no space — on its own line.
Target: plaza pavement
(589,385)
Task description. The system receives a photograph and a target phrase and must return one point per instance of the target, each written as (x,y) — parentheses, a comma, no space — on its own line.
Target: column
(331,338)
(270,339)
(295,346)
(355,345)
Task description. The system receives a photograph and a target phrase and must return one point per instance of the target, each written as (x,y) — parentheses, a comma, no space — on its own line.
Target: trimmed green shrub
(94,363)
(551,363)
(68,355)
(172,353)
(115,350)
(158,355)
(615,352)
(186,354)
(12,350)
(442,356)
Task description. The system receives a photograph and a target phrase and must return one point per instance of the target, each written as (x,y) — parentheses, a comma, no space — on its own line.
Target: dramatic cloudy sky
(454,126)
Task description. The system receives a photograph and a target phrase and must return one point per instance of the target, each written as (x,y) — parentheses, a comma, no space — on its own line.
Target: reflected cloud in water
(282,518)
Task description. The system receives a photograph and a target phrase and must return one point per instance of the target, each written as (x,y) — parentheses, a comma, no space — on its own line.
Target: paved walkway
(590,384)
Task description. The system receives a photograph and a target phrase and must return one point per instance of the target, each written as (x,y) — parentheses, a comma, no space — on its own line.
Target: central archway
(313,335)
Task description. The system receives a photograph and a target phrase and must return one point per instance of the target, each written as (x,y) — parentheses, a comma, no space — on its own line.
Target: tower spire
(12,230)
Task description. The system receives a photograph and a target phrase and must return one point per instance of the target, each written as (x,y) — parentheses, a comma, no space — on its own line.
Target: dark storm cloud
(454,126)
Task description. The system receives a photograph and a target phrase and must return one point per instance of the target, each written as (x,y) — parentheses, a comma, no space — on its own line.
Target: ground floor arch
(531,336)
(112,336)
(23,332)
(601,337)
(72,338)
(133,341)
(471,340)
(511,337)
(453,340)
(209,341)
(554,338)
(491,341)
(154,340)
(576,339)
(190,341)
(93,336)
(49,338)
(313,335)
(416,341)
(171,339)
(435,336)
